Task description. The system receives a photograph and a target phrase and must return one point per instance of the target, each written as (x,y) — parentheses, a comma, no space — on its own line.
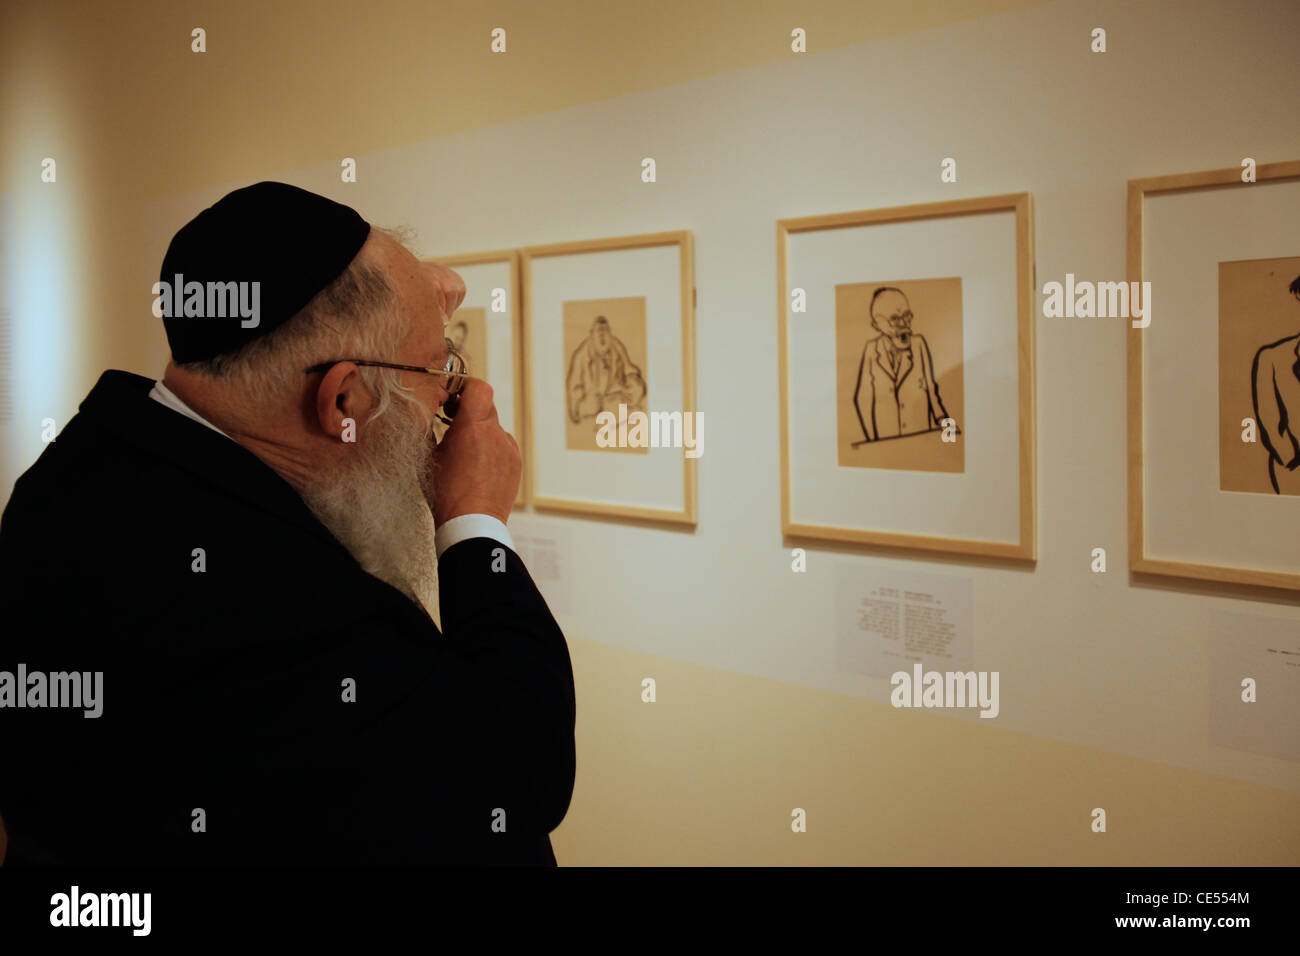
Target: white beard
(377,507)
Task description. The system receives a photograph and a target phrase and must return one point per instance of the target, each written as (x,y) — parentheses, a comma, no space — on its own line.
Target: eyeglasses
(456,370)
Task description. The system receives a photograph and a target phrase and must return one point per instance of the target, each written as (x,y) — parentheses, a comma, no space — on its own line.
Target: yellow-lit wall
(709,773)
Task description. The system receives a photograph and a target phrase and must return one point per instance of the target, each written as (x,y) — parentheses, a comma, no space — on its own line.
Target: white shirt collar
(165,396)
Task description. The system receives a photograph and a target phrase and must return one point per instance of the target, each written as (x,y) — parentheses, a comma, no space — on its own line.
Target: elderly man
(897,393)
(253,551)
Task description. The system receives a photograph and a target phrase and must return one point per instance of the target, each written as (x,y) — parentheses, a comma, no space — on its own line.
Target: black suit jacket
(223,689)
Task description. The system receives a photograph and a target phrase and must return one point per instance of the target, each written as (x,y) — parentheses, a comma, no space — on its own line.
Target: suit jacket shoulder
(253,670)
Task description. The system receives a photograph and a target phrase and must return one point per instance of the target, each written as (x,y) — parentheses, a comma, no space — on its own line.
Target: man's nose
(453,288)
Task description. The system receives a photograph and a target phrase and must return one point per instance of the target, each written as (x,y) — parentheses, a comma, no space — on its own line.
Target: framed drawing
(609,372)
(1214,378)
(610,377)
(486,328)
(906,350)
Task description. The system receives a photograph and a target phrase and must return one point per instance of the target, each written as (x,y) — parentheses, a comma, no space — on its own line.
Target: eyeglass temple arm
(413,368)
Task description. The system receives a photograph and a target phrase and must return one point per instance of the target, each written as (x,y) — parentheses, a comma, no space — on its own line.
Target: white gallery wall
(1022,105)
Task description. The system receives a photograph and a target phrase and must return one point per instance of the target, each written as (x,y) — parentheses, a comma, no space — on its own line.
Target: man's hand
(477,464)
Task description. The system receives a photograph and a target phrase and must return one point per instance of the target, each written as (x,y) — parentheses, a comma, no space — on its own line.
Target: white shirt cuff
(462,527)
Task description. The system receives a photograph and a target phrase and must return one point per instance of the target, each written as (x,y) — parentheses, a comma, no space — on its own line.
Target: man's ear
(341,401)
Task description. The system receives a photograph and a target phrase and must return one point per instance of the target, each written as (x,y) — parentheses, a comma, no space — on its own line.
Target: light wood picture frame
(1218,184)
(670,386)
(507,260)
(1014,285)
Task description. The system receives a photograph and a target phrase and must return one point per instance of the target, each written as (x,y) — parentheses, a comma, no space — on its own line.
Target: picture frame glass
(1191,241)
(962,272)
(632,358)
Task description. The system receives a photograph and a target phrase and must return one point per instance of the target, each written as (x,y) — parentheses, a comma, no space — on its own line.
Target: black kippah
(246,265)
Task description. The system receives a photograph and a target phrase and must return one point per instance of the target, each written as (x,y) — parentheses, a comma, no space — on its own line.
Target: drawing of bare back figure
(1275,391)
